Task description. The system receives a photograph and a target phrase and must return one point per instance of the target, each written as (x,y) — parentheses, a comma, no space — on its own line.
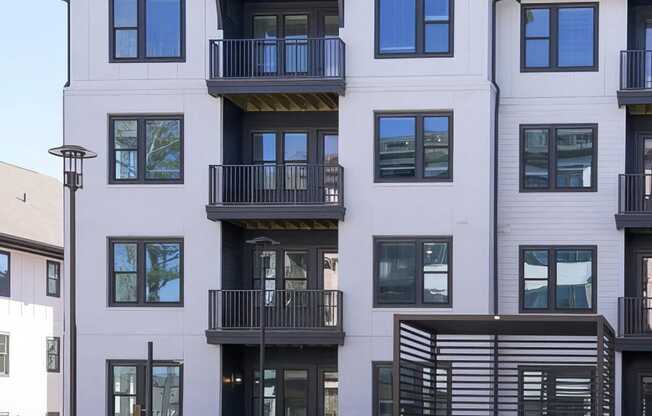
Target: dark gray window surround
(419,34)
(552,278)
(553,37)
(5,282)
(56,278)
(55,353)
(552,158)
(141,132)
(418,242)
(140,271)
(140,381)
(141,33)
(419,146)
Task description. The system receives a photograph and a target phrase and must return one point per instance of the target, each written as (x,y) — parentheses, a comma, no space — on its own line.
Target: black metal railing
(634,316)
(635,70)
(284,309)
(635,193)
(288,184)
(277,58)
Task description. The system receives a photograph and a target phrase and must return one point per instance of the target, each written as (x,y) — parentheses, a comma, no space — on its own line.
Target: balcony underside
(634,343)
(637,220)
(308,217)
(275,337)
(637,101)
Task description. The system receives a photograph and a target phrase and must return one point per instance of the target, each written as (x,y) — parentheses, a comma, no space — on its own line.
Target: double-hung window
(558,278)
(146,149)
(559,37)
(414,147)
(53,282)
(5,274)
(559,157)
(52,350)
(4,354)
(146,272)
(414,28)
(147,30)
(127,384)
(412,271)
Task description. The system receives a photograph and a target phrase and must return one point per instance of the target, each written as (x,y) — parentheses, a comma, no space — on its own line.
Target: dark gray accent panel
(31,246)
(276,337)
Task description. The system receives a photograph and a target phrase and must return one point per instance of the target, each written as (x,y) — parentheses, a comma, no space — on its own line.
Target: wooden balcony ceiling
(304,224)
(286,102)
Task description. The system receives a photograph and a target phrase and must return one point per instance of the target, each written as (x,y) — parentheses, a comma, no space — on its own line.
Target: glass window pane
(126,43)
(124,379)
(166,390)
(330,149)
(331,26)
(535,294)
(574,279)
(537,53)
(52,346)
(536,158)
(396,272)
(296,27)
(537,23)
(397,147)
(125,134)
(296,51)
(53,287)
(384,391)
(265,27)
(296,270)
(296,392)
(125,13)
(535,264)
(295,147)
(126,287)
(123,405)
(53,270)
(4,274)
(436,10)
(163,28)
(435,141)
(125,257)
(163,272)
(163,149)
(126,164)
(437,37)
(574,158)
(397,26)
(575,36)
(52,362)
(330,388)
(265,147)
(435,288)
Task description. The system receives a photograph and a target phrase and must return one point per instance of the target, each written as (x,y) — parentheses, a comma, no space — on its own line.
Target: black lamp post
(73,179)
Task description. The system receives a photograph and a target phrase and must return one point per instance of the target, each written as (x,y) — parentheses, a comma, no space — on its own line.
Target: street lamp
(73,179)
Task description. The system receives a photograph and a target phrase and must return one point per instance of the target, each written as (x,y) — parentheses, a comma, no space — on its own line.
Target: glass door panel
(295,388)
(295,158)
(296,44)
(646,292)
(647,170)
(329,389)
(330,160)
(646,395)
(648,55)
(330,276)
(331,45)
(265,155)
(269,391)
(265,30)
(265,274)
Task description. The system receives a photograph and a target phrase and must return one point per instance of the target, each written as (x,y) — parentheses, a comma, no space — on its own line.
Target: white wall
(30,317)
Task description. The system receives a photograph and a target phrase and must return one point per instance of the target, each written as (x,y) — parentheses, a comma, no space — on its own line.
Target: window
(4,354)
(559,158)
(296,390)
(147,30)
(5,274)
(146,149)
(269,391)
(146,272)
(383,395)
(559,37)
(412,271)
(329,392)
(543,389)
(127,387)
(53,354)
(414,28)
(414,147)
(558,279)
(53,283)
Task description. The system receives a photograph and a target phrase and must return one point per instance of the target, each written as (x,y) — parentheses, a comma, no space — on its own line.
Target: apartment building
(363,207)
(31,293)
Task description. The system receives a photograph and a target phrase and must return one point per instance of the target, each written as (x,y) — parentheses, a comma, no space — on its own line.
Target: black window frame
(419,166)
(141,29)
(57,341)
(553,157)
(418,241)
(6,354)
(552,279)
(554,37)
(57,265)
(142,120)
(7,294)
(141,366)
(568,370)
(420,34)
(140,243)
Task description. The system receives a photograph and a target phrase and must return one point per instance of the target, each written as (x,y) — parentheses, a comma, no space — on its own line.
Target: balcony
(278,74)
(291,317)
(288,196)
(634,201)
(635,324)
(635,80)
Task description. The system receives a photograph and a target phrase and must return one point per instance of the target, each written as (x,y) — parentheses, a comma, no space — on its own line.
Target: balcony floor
(276,337)
(634,220)
(296,217)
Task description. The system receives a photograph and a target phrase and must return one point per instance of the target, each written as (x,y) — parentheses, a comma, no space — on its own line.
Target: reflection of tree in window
(163,149)
(162,272)
(165,390)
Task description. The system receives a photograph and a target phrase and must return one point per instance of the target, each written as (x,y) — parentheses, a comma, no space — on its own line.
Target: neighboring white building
(31,293)
(402,177)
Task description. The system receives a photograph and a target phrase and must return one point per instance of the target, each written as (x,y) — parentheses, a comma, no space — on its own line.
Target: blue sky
(33,70)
